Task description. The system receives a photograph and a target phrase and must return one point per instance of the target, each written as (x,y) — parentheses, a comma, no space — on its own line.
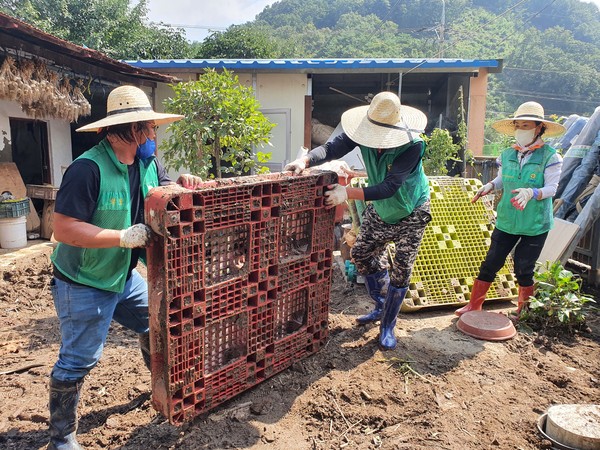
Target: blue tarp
(564,142)
(581,146)
(578,182)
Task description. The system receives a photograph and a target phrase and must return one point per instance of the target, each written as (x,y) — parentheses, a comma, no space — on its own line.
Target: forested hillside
(551,49)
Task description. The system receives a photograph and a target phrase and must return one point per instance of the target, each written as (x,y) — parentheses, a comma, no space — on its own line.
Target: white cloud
(198,16)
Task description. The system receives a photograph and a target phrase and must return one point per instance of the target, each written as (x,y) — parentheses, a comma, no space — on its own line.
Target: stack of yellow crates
(454,245)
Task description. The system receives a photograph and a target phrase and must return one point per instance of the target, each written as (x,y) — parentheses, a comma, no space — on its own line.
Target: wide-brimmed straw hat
(385,123)
(528,111)
(128,104)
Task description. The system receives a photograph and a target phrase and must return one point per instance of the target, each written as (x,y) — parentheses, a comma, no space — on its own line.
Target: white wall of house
(59,139)
(276,92)
(161,93)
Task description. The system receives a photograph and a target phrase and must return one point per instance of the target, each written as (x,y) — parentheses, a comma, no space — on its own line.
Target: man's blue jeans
(85,315)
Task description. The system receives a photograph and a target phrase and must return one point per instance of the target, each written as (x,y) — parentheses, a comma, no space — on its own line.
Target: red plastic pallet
(239,280)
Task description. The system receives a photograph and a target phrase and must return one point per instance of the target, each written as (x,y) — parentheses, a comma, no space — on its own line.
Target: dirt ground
(439,389)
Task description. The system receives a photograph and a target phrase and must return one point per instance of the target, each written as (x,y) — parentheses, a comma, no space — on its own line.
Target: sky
(199,17)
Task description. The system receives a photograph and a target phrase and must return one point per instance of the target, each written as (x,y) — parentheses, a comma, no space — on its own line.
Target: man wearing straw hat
(98,223)
(528,175)
(388,134)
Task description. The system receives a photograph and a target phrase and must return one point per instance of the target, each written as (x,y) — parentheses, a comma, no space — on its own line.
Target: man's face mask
(147,149)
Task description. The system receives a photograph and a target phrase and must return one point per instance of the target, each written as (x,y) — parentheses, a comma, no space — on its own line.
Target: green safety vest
(413,192)
(537,217)
(106,268)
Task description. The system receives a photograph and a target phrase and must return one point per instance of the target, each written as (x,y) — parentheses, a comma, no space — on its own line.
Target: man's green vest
(537,217)
(413,192)
(106,268)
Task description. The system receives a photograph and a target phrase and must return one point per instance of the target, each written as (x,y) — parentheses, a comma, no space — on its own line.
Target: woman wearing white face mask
(528,174)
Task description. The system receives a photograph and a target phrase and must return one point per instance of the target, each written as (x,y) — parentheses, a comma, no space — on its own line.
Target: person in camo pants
(388,135)
(406,236)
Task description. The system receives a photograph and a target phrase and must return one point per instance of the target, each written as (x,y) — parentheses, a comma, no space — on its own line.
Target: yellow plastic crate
(454,245)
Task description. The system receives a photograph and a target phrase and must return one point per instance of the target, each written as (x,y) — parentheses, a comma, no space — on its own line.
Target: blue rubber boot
(391,308)
(375,282)
(64,396)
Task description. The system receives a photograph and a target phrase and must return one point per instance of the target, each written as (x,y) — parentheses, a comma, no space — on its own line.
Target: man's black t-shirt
(78,195)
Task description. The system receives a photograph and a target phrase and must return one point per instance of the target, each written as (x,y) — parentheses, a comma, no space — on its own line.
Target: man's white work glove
(336,195)
(137,235)
(523,196)
(296,166)
(483,190)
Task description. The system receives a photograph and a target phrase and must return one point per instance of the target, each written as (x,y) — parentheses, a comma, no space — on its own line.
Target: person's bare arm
(355,193)
(77,233)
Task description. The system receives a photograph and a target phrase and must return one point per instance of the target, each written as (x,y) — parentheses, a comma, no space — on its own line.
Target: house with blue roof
(301,95)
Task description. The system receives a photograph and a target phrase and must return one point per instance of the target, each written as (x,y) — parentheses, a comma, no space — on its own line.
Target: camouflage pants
(369,251)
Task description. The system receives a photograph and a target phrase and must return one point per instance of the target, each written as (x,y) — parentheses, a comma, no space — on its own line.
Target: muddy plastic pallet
(454,245)
(239,283)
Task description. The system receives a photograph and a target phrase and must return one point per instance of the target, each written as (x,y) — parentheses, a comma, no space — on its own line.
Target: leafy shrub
(222,124)
(440,149)
(558,304)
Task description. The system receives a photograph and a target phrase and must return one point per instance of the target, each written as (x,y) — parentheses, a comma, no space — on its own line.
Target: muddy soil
(439,389)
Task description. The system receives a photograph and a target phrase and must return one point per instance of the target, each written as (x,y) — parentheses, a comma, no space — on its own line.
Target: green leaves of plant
(222,123)
(440,149)
(558,303)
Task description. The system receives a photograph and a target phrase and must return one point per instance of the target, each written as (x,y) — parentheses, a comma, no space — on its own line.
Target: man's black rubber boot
(64,396)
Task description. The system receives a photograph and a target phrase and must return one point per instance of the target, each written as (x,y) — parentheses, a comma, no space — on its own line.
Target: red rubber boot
(478,292)
(524,293)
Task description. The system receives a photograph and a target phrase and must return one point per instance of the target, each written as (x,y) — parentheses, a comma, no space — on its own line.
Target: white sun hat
(128,104)
(385,123)
(528,111)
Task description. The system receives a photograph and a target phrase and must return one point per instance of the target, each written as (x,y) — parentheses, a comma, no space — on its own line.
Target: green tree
(368,37)
(440,149)
(550,49)
(113,27)
(477,33)
(222,124)
(240,41)
(562,86)
(496,141)
(353,36)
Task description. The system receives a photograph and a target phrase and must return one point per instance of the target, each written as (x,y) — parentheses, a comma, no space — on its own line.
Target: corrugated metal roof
(38,39)
(324,65)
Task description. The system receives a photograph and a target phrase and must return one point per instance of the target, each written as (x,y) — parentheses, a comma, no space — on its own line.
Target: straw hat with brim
(128,104)
(385,123)
(528,111)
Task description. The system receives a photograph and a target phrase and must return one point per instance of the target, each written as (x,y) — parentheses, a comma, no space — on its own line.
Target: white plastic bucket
(13,232)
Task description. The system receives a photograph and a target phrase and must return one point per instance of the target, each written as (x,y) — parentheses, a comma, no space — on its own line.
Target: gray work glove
(483,190)
(523,196)
(296,166)
(189,181)
(135,236)
(336,195)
